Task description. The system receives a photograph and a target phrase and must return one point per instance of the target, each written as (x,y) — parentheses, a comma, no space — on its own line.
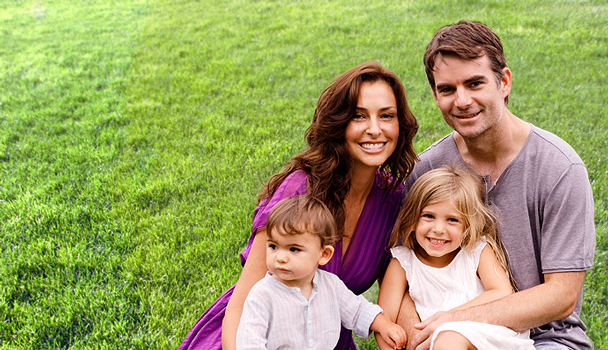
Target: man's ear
(326,254)
(505,82)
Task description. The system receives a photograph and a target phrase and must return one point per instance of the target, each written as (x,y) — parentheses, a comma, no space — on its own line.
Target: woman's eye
(388,116)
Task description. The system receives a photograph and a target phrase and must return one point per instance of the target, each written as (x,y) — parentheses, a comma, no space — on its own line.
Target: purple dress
(365,260)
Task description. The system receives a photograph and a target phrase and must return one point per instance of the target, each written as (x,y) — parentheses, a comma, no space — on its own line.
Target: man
(536,181)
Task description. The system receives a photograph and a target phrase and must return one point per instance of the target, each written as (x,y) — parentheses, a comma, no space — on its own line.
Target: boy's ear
(326,254)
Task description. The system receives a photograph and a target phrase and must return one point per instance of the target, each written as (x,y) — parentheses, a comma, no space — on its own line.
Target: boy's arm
(391,293)
(393,334)
(253,326)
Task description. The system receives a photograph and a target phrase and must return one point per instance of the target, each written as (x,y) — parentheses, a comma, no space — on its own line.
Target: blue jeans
(551,346)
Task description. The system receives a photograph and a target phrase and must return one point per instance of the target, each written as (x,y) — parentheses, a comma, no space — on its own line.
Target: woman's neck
(361,183)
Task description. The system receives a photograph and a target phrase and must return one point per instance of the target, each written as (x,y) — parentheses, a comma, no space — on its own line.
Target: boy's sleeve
(253,327)
(356,312)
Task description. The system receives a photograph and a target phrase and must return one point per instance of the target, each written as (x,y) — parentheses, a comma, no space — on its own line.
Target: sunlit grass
(135,135)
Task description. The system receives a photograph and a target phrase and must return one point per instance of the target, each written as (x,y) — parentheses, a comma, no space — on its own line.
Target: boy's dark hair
(300,214)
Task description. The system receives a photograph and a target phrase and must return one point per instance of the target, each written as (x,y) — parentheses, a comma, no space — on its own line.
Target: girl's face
(372,134)
(439,233)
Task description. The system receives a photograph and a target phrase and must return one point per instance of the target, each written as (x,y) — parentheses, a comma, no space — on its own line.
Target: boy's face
(294,258)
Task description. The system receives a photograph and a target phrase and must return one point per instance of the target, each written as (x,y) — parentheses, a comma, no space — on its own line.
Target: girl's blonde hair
(467,192)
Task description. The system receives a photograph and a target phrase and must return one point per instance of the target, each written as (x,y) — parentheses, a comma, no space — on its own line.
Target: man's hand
(422,340)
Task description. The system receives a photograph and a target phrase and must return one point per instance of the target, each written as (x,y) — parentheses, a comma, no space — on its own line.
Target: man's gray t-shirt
(546,216)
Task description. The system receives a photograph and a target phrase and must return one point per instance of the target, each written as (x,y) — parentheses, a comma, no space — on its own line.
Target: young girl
(446,253)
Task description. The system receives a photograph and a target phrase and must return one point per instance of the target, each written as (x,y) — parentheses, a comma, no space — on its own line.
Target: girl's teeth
(436,241)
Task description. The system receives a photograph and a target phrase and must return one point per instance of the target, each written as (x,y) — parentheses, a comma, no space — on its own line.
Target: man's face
(468,95)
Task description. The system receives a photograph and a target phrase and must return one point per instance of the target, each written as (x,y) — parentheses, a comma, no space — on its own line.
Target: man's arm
(407,318)
(553,300)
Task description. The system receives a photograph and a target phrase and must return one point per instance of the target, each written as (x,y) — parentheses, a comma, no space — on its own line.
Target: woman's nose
(373,127)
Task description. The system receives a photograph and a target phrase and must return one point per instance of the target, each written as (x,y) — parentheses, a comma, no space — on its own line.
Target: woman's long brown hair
(327,160)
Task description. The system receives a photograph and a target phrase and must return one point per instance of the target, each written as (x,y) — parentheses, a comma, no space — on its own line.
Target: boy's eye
(294,250)
(272,247)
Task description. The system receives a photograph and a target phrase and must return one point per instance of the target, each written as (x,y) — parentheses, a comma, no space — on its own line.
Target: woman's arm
(391,292)
(493,277)
(253,271)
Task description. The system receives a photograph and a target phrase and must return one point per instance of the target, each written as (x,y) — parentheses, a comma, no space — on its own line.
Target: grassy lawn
(135,135)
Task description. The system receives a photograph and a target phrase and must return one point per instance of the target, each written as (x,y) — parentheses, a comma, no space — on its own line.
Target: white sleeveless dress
(440,289)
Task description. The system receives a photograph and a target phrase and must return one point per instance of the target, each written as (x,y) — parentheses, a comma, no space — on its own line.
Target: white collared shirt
(278,316)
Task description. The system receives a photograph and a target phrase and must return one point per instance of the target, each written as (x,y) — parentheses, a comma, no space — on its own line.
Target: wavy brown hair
(327,161)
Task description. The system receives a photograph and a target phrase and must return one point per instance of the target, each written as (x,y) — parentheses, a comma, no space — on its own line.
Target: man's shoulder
(553,147)
(443,151)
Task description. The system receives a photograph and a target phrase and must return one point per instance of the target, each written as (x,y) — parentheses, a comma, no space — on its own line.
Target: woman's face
(373,132)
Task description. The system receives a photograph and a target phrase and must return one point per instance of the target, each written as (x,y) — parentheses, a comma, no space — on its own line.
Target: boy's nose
(281,257)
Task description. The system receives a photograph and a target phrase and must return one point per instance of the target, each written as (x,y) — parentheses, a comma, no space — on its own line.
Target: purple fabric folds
(363,263)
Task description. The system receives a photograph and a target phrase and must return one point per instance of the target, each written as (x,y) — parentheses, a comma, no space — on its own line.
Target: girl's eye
(294,250)
(427,216)
(272,247)
(453,220)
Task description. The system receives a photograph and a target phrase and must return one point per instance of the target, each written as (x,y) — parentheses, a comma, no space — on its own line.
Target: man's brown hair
(467,40)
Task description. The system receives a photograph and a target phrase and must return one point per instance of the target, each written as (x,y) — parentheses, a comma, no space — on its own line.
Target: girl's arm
(391,292)
(253,271)
(493,277)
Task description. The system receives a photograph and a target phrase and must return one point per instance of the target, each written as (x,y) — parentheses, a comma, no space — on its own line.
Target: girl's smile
(439,233)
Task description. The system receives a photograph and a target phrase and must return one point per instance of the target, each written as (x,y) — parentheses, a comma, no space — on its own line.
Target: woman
(360,151)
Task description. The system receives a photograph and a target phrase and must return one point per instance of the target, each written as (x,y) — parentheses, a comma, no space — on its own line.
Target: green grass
(135,135)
